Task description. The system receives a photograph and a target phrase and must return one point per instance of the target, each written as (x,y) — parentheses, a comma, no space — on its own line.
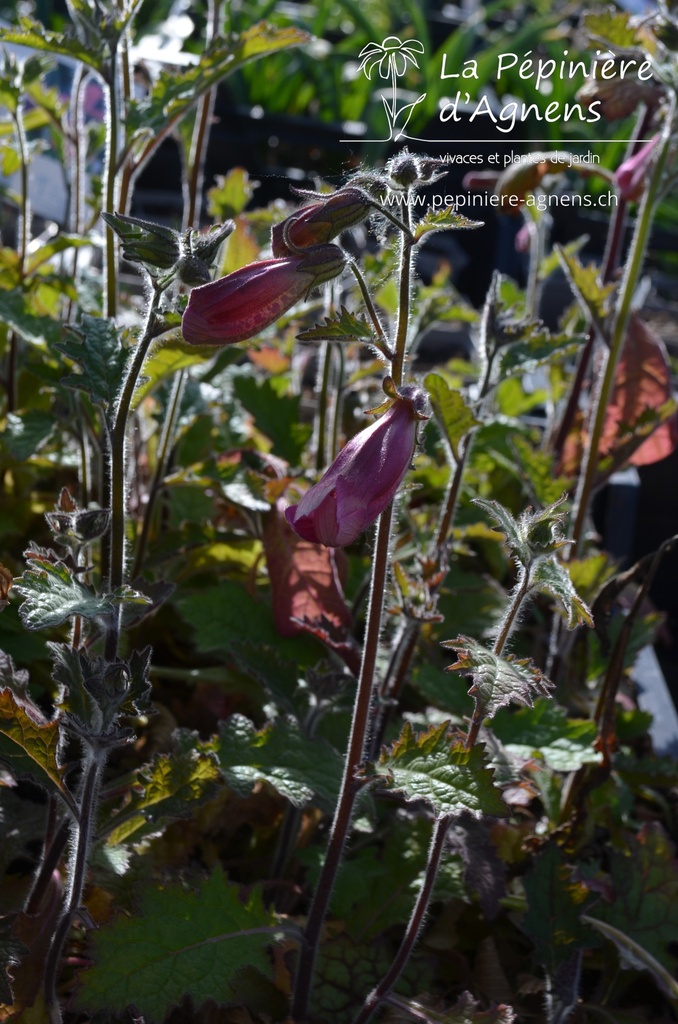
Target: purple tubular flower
(631,175)
(243,303)
(363,478)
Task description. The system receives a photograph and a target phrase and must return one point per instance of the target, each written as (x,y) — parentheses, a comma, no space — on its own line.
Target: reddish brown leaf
(304,580)
(642,387)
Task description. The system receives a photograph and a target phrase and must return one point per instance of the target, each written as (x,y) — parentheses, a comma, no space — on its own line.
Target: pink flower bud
(363,478)
(320,222)
(631,175)
(243,303)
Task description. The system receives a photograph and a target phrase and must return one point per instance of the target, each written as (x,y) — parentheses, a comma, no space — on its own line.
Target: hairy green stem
(382,343)
(363,711)
(519,595)
(82,830)
(633,268)
(323,399)
(350,786)
(338,401)
(110,183)
(414,925)
(116,565)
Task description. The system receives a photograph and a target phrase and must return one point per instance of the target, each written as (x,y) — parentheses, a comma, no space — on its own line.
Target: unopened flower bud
(205,244)
(631,175)
(252,298)
(320,222)
(618,97)
(192,270)
(363,478)
(143,242)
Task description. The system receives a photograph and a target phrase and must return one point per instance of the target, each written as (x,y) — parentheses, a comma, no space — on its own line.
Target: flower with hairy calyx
(321,221)
(630,177)
(364,477)
(242,304)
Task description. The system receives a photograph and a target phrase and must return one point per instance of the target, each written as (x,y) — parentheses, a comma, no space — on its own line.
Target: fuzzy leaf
(166,359)
(545,730)
(632,955)
(549,576)
(444,220)
(225,613)
(280,678)
(34,35)
(346,326)
(452,413)
(509,526)
(173,94)
(275,415)
(433,767)
(297,766)
(497,680)
(96,348)
(181,942)
(53,594)
(593,297)
(15,311)
(538,347)
(27,432)
(168,788)
(29,744)
(13,678)
(555,904)
(611,26)
(644,900)
(466,1010)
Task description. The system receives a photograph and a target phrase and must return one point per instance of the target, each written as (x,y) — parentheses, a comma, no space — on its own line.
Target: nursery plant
(316,692)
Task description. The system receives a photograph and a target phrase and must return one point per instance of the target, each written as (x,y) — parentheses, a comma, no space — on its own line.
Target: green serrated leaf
(544,730)
(497,680)
(29,744)
(551,577)
(101,358)
(444,220)
(509,526)
(170,787)
(279,677)
(296,765)
(181,943)
(556,903)
(27,432)
(53,594)
(633,955)
(537,468)
(230,195)
(276,415)
(452,413)
(173,94)
(538,347)
(225,613)
(34,35)
(167,358)
(346,326)
(611,26)
(61,243)
(644,899)
(593,297)
(16,312)
(438,769)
